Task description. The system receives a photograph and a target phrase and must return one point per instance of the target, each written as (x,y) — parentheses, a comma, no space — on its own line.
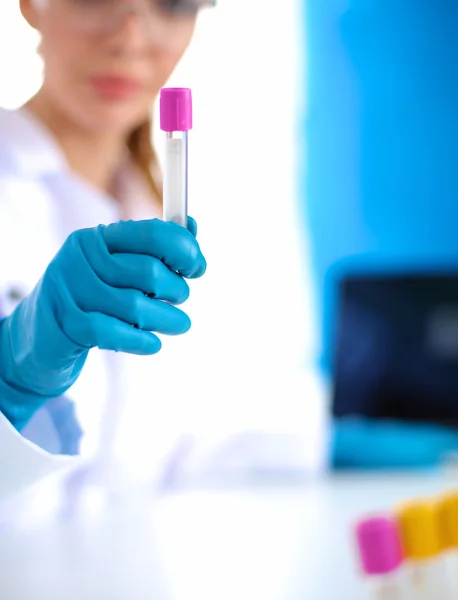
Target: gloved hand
(104,288)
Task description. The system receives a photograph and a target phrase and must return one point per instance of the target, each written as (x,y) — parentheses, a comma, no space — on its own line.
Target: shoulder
(27,156)
(26,225)
(27,149)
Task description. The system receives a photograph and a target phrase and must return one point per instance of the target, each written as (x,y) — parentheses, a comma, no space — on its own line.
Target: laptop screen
(396,348)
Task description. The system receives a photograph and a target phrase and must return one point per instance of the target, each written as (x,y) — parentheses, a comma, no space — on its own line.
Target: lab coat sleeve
(22,463)
(27,456)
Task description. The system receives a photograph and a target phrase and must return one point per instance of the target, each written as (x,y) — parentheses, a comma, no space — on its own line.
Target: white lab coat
(41,202)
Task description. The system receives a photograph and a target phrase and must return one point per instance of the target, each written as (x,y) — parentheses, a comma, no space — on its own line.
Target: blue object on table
(358,443)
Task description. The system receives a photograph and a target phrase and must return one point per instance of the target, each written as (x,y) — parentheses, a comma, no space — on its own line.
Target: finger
(127,305)
(107,333)
(148,314)
(110,334)
(130,306)
(192,226)
(134,271)
(152,277)
(172,244)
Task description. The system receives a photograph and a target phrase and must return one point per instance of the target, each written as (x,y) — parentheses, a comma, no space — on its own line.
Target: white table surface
(270,542)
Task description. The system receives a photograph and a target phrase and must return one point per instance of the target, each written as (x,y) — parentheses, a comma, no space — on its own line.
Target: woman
(78,155)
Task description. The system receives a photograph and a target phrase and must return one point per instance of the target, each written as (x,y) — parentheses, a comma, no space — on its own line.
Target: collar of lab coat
(27,146)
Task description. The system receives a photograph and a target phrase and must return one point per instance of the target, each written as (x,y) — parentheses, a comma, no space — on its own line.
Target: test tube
(447,508)
(382,559)
(418,524)
(176,121)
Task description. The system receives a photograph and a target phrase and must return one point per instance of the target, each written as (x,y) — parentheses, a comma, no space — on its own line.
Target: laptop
(396,347)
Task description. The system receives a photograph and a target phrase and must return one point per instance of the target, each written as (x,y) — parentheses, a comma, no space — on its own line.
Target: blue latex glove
(91,294)
(381,444)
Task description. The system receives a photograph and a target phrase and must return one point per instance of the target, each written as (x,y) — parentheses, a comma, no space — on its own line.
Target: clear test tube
(447,509)
(419,528)
(176,121)
(381,559)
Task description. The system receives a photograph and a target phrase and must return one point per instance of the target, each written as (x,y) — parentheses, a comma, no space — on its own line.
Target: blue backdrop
(381,139)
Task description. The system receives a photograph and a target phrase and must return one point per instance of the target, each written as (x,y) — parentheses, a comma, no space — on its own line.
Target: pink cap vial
(176,109)
(379,546)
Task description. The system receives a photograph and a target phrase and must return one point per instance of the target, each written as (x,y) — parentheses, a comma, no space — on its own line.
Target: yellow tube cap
(447,510)
(418,525)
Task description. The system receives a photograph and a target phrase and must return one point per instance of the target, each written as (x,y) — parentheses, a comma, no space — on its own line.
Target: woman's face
(106,60)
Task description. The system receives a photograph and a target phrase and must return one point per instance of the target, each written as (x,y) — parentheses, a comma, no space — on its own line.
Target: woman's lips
(116,87)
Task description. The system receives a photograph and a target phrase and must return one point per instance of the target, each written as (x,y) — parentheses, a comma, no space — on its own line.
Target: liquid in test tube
(382,559)
(419,528)
(176,121)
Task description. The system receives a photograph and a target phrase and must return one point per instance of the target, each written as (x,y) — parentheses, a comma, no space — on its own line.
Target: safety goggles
(162,20)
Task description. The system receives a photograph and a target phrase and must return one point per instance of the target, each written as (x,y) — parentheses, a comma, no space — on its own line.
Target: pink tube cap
(176,109)
(379,546)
